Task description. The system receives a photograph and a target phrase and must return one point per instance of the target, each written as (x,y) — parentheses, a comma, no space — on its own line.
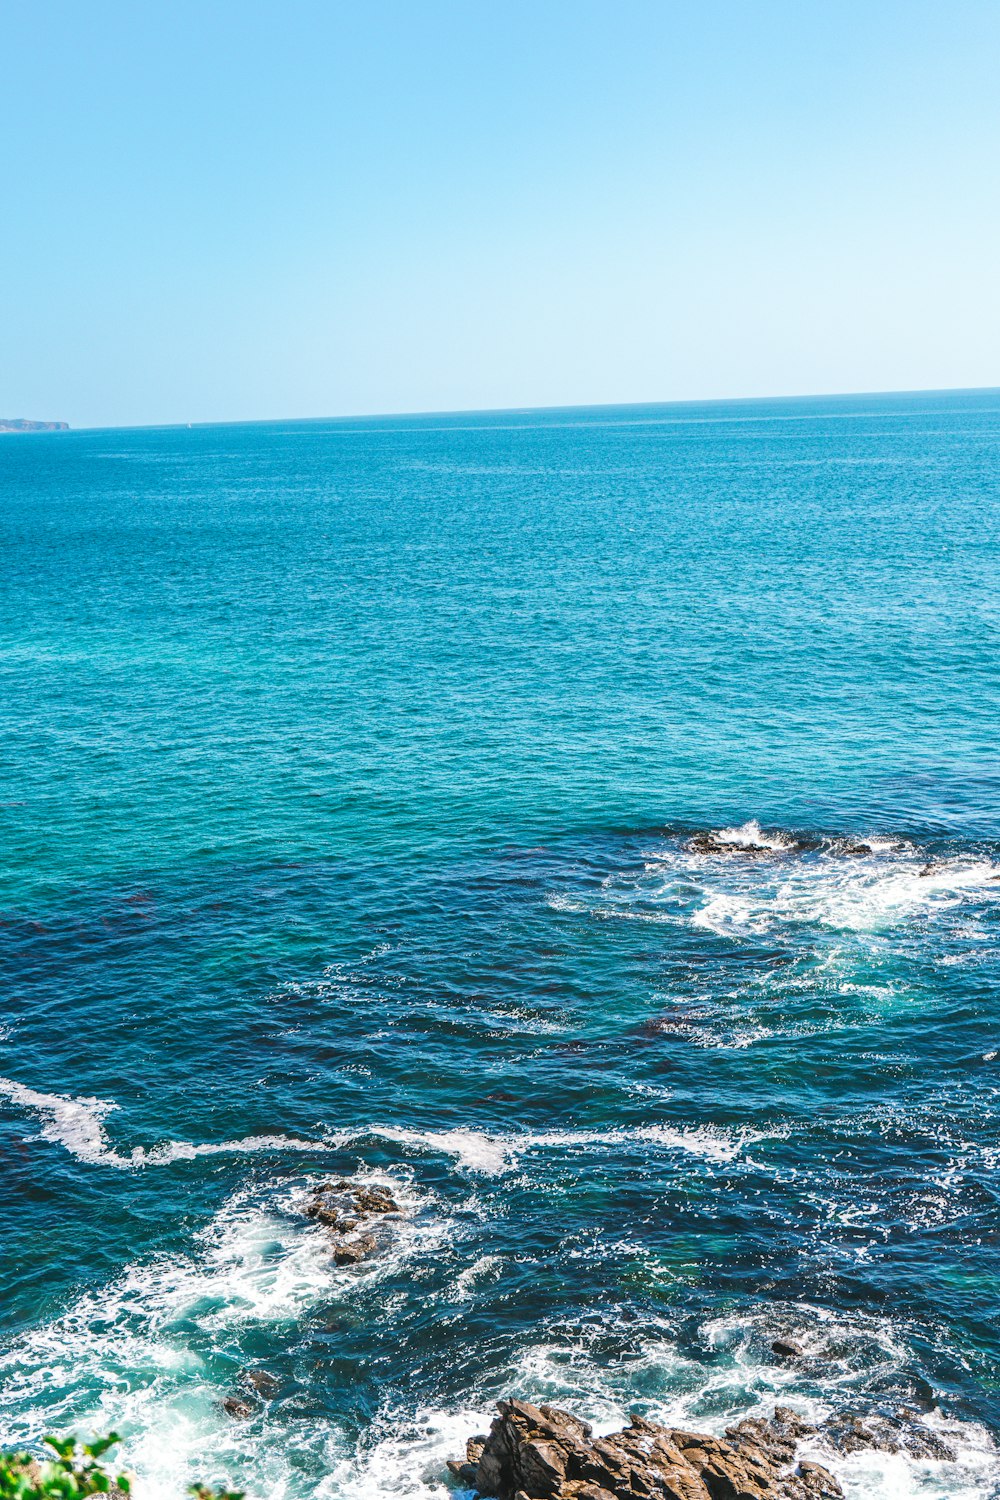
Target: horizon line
(499,411)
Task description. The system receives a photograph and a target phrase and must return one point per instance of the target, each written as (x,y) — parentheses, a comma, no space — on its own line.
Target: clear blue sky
(238,208)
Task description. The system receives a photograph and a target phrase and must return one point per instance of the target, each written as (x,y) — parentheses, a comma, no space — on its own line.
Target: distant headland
(22,424)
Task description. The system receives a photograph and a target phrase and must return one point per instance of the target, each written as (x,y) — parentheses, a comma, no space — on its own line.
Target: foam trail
(473,1149)
(73,1123)
(77,1124)
(492,1155)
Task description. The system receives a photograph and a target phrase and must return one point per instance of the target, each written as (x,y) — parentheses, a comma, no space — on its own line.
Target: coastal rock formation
(355,1214)
(544,1453)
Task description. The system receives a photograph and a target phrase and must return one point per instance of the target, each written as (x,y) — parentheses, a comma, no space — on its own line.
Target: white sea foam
(750,835)
(77,1124)
(480,1270)
(874,887)
(73,1123)
(408,1463)
(492,1155)
(472,1149)
(153,1353)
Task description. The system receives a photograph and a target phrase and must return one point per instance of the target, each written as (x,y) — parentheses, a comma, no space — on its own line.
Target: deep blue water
(350,775)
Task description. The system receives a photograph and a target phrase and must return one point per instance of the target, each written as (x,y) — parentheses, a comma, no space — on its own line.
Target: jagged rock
(543,1453)
(848,1433)
(817,1480)
(787,1348)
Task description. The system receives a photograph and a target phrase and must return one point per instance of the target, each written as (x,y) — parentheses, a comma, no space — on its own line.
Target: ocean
(585,823)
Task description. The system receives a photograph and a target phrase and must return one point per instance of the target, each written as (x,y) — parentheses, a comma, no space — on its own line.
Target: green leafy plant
(76,1470)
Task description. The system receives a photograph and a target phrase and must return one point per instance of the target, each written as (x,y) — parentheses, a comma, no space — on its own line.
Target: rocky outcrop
(355,1213)
(713,843)
(544,1453)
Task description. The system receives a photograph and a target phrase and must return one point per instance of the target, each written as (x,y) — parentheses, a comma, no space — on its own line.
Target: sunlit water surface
(350,782)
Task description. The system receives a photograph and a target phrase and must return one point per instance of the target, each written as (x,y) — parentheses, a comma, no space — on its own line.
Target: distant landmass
(21,424)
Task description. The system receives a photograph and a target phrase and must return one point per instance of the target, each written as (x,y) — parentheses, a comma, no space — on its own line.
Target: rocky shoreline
(545,1453)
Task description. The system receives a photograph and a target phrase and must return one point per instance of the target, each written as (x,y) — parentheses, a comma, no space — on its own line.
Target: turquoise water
(351,772)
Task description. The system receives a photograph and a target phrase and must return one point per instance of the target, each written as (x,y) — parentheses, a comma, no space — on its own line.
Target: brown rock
(542,1466)
(464,1473)
(234,1407)
(817,1480)
(543,1453)
(350,1252)
(788,1348)
(374,1200)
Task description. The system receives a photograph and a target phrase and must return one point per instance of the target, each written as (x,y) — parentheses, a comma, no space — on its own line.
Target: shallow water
(351,803)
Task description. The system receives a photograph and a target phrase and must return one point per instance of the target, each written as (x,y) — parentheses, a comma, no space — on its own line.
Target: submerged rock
(900,1433)
(236,1407)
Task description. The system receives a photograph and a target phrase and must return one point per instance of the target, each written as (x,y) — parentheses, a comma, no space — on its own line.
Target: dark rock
(711,843)
(344,1207)
(262,1381)
(902,1432)
(350,1252)
(464,1473)
(234,1407)
(788,1348)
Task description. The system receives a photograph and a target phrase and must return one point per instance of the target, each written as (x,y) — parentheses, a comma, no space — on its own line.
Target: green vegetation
(76,1470)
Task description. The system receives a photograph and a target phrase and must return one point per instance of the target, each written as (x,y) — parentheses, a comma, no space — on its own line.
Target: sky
(223,210)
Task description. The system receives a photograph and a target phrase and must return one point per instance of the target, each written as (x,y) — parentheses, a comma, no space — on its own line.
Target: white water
(77,1125)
